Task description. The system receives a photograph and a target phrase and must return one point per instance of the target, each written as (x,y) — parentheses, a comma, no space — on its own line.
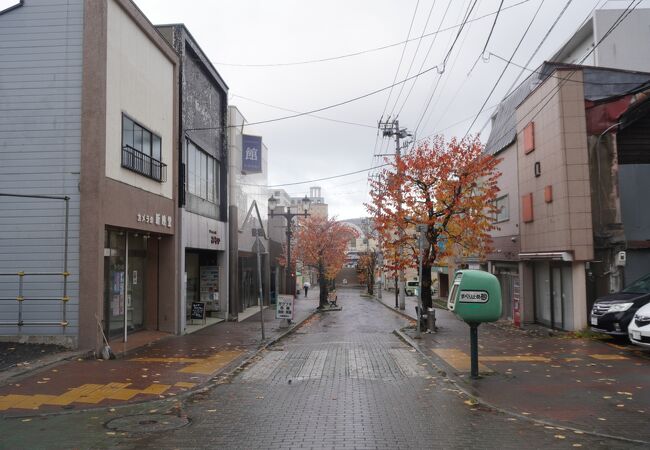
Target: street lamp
(273,203)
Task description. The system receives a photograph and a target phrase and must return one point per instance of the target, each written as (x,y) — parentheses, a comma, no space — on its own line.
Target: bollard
(431,319)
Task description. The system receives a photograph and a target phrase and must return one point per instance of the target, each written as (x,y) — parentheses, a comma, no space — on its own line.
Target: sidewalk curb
(390,308)
(224,373)
(459,384)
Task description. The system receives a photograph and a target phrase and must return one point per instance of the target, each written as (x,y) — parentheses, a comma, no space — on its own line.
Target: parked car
(412,287)
(613,313)
(639,328)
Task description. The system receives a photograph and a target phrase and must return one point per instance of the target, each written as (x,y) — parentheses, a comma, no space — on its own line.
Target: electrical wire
(310,115)
(548,97)
(415,54)
(433,41)
(506,67)
(487,41)
(362,52)
(539,46)
(325,178)
(401,58)
(460,30)
(324,108)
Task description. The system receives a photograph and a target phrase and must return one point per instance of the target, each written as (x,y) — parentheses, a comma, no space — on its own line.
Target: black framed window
(202,173)
(142,150)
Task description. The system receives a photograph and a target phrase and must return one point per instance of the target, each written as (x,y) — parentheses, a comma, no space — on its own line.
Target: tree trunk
(425,285)
(322,283)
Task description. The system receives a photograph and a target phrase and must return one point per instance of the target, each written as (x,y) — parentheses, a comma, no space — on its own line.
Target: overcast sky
(259,32)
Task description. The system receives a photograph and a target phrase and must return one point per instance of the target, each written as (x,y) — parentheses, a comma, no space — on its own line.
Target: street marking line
(87,393)
(459,360)
(609,357)
(408,363)
(313,366)
(360,364)
(263,369)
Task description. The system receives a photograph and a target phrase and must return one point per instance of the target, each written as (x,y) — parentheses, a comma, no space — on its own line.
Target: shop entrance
(553,294)
(125,263)
(202,270)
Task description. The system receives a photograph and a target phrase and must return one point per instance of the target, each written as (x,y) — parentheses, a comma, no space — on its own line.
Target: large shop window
(202,174)
(141,151)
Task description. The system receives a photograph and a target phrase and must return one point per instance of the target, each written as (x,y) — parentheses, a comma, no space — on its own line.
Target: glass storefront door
(125,256)
(553,294)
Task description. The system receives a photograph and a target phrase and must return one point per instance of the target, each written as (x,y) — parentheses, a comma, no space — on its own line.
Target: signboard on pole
(251,154)
(284,307)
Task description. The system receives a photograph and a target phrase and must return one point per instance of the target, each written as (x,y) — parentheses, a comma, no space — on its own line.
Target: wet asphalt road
(342,381)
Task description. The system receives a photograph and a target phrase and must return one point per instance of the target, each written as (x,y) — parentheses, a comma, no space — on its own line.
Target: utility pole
(390,128)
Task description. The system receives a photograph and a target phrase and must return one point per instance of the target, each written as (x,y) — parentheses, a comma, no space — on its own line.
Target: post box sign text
(251,154)
(158,219)
(473,297)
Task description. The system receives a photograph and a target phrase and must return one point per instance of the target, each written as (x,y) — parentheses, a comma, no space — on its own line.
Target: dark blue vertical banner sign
(251,154)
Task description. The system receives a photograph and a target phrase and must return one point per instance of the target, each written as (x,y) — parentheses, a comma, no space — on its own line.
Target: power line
(506,67)
(460,30)
(324,108)
(298,112)
(433,41)
(408,35)
(557,19)
(325,178)
(548,97)
(361,52)
(415,54)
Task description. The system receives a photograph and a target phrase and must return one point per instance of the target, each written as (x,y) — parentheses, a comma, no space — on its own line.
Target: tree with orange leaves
(366,267)
(322,244)
(450,187)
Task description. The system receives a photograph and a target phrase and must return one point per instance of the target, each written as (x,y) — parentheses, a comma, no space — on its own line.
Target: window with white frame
(503,209)
(202,173)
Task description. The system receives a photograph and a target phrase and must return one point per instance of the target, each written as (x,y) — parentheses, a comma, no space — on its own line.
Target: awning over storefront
(555,256)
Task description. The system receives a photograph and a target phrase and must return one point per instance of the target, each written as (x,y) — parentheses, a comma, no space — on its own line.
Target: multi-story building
(89,114)
(564,137)
(567,212)
(248,196)
(203,186)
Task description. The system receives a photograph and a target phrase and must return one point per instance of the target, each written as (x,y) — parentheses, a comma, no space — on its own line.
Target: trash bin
(431,319)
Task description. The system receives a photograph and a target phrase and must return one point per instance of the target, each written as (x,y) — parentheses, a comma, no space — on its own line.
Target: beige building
(560,190)
(107,141)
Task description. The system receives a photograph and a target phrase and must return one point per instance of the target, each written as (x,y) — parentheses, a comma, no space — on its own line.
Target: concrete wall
(561,148)
(139,83)
(40,122)
(628,45)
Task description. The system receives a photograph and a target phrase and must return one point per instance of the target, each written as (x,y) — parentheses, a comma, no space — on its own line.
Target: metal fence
(25,277)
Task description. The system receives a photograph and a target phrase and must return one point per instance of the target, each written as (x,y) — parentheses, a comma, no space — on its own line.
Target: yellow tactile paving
(608,357)
(459,360)
(168,360)
(516,358)
(183,384)
(87,393)
(203,366)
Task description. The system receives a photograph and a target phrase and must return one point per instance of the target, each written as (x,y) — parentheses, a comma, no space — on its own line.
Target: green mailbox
(475,296)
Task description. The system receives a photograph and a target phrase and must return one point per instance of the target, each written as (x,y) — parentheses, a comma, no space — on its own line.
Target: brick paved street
(343,380)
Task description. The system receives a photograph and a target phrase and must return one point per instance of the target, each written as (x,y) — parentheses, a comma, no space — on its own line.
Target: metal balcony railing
(143,164)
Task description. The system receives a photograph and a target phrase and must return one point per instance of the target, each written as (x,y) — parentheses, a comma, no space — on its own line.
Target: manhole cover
(147,423)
